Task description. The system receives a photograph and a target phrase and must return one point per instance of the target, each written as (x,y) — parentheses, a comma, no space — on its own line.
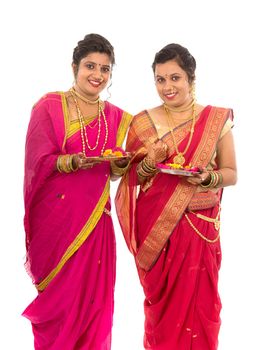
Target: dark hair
(93,43)
(179,54)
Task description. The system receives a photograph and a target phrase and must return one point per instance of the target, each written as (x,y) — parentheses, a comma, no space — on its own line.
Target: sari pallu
(177,268)
(69,234)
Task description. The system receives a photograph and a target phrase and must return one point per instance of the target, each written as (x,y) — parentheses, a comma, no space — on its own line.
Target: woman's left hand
(121,163)
(198,179)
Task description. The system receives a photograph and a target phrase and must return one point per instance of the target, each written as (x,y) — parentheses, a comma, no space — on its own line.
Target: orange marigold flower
(117,153)
(107,152)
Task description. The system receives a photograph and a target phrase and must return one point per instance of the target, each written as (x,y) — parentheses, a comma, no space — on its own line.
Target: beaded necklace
(83,131)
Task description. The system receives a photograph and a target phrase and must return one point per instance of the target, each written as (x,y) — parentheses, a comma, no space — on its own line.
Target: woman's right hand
(81,162)
(157,151)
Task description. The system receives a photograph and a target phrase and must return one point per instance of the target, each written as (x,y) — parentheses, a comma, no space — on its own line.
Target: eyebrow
(102,65)
(163,76)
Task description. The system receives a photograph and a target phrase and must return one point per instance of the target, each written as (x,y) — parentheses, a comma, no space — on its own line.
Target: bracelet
(145,170)
(220,178)
(141,172)
(147,166)
(65,163)
(216,179)
(118,171)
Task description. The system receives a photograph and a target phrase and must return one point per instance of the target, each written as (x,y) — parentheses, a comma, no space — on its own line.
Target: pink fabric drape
(182,304)
(75,309)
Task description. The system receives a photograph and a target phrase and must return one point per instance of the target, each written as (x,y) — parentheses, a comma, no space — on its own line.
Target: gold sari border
(81,237)
(123,128)
(161,231)
(66,116)
(74,126)
(210,136)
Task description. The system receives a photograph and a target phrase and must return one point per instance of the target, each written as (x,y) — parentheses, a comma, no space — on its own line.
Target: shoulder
(226,115)
(119,115)
(141,120)
(113,108)
(48,99)
(140,115)
(222,110)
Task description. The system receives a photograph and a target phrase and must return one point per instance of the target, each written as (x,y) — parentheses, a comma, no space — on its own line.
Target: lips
(170,95)
(95,83)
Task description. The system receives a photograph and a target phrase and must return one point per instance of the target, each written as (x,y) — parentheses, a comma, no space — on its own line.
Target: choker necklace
(83,132)
(179,158)
(181,109)
(91,102)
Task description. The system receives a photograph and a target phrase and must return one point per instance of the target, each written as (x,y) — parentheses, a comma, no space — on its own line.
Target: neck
(182,108)
(83,97)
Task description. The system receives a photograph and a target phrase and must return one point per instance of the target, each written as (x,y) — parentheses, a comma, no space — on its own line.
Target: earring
(193,91)
(108,91)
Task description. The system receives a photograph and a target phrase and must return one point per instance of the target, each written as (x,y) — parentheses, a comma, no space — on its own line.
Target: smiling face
(92,74)
(172,84)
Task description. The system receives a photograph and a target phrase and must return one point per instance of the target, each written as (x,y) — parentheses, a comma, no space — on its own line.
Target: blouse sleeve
(227,127)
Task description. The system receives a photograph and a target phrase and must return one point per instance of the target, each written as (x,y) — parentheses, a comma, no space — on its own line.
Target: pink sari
(70,239)
(177,268)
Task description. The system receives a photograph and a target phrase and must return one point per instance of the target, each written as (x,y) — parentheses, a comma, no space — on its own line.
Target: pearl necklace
(179,158)
(83,131)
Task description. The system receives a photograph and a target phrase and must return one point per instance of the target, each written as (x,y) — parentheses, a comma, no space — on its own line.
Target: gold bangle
(147,164)
(220,178)
(118,171)
(141,172)
(71,163)
(58,164)
(64,163)
(216,179)
(210,182)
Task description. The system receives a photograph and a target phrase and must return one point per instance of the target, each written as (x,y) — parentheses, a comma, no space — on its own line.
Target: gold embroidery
(123,127)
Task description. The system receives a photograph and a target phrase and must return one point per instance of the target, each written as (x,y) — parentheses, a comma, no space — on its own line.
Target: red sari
(178,269)
(70,239)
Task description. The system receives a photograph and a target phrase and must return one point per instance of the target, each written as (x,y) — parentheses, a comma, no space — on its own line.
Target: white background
(37,41)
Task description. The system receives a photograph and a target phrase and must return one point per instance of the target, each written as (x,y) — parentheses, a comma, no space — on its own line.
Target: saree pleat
(181,300)
(69,235)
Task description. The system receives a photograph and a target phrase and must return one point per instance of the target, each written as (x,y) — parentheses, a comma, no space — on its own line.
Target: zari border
(210,136)
(81,237)
(151,248)
(123,127)
(161,231)
(74,126)
(66,116)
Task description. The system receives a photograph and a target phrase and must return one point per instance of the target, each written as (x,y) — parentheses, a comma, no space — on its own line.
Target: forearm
(229,177)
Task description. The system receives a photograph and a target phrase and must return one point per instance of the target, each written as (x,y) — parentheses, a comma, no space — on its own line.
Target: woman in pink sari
(70,239)
(171,222)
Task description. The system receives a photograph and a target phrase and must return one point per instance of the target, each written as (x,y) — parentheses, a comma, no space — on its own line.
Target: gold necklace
(181,109)
(179,158)
(83,131)
(73,91)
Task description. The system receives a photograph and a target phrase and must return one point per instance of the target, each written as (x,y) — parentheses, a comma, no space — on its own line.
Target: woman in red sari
(171,222)
(70,239)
